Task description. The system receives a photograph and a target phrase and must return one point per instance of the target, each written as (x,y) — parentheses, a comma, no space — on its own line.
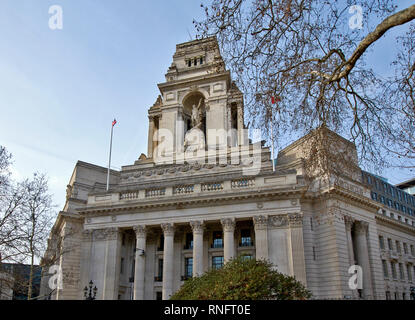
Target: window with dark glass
(385,268)
(390,244)
(217,262)
(161,243)
(217,239)
(188,267)
(381,242)
(189,241)
(246,257)
(246,240)
(159,295)
(159,276)
(201,60)
(189,63)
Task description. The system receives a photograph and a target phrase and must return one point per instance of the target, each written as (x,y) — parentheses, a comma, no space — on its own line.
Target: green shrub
(243,279)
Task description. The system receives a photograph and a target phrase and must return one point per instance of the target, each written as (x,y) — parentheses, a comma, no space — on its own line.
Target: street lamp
(90,296)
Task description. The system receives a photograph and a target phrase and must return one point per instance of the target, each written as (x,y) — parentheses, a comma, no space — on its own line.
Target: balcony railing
(216,186)
(184,189)
(243,183)
(129,195)
(218,245)
(155,192)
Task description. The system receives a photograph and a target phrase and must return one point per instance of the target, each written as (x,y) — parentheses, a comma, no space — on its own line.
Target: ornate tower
(198,93)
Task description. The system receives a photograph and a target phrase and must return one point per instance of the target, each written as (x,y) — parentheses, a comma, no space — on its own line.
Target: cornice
(192,200)
(184,83)
(387,221)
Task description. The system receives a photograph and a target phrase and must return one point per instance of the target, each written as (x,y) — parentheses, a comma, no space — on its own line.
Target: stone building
(205,193)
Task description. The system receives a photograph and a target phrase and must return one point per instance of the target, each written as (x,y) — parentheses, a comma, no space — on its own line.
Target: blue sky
(60,90)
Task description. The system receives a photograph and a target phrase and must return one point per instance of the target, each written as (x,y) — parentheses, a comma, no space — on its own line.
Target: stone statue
(195,139)
(197,114)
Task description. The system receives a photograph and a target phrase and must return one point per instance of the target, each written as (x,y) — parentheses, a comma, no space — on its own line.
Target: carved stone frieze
(278,221)
(106,234)
(260,222)
(295,219)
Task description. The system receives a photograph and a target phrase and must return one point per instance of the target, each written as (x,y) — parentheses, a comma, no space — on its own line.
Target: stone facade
(190,205)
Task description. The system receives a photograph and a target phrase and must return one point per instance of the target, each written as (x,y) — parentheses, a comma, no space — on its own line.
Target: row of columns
(358,252)
(228,225)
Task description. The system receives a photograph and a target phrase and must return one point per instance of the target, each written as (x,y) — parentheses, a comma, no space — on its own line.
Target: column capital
(295,219)
(228,224)
(361,227)
(260,222)
(197,226)
(106,234)
(348,221)
(140,231)
(168,229)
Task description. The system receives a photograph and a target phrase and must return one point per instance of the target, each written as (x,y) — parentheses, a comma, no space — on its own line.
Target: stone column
(150,137)
(361,229)
(261,237)
(228,225)
(140,262)
(295,221)
(348,221)
(168,254)
(111,262)
(197,227)
(240,123)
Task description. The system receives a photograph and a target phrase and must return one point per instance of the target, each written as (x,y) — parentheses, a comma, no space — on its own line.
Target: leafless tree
(313,56)
(37,216)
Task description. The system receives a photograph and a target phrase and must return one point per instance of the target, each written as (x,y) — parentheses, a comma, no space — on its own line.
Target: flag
(114,122)
(275,99)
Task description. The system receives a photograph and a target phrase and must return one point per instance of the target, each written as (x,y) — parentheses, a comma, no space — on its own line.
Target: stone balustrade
(155,192)
(129,195)
(183,189)
(243,183)
(215,186)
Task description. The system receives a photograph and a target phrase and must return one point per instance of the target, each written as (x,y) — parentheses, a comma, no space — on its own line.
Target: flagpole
(109,161)
(272,146)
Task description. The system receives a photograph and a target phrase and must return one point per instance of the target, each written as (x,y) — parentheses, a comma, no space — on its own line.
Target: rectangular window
(314,253)
(195,62)
(398,246)
(311,224)
(161,243)
(189,63)
(381,242)
(405,248)
(393,268)
(401,271)
(201,60)
(385,268)
(382,199)
(247,257)
(160,269)
(412,250)
(246,240)
(388,295)
(390,247)
(188,267)
(369,179)
(217,262)
(389,201)
(217,239)
(159,295)
(374,196)
(409,271)
(189,241)
(122,266)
